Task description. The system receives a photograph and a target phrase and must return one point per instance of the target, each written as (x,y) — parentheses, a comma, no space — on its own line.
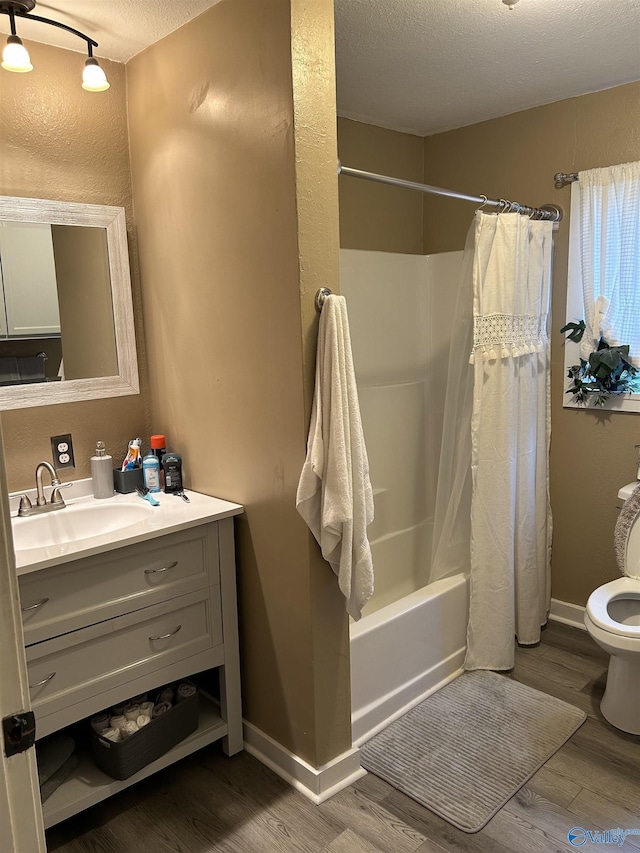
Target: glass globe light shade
(93,77)
(15,56)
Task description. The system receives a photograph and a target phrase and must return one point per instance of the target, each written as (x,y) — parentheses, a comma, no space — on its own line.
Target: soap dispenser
(102,472)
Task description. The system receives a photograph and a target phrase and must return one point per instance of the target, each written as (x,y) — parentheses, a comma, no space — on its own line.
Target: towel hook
(321,295)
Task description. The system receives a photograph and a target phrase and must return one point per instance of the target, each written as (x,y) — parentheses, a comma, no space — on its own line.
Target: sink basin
(76,522)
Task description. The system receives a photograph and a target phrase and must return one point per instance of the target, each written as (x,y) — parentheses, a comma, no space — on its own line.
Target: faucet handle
(25,505)
(56,497)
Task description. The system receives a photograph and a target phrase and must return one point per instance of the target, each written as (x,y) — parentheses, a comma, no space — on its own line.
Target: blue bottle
(151,472)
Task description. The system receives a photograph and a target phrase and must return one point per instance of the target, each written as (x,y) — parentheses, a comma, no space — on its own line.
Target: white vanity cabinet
(102,628)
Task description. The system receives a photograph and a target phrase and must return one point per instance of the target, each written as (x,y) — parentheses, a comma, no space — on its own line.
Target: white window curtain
(605,236)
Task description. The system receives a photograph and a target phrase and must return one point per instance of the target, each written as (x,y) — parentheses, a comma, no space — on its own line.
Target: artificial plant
(608,371)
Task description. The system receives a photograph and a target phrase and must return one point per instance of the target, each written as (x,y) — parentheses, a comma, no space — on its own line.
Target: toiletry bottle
(172,466)
(151,472)
(159,447)
(102,472)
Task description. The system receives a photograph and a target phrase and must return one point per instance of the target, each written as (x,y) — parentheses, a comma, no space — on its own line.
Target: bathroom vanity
(119,598)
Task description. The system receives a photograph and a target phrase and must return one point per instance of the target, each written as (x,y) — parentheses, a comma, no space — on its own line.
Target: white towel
(129,728)
(335,497)
(112,734)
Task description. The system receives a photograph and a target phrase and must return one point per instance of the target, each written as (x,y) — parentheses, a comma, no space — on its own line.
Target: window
(604,272)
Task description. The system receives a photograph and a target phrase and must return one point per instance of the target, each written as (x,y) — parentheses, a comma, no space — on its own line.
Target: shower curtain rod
(550,212)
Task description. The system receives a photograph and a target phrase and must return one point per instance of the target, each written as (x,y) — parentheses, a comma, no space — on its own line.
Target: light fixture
(510,4)
(15,56)
(93,77)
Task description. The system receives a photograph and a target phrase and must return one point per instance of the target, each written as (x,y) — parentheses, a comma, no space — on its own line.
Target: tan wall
(60,142)
(592,453)
(373,216)
(215,121)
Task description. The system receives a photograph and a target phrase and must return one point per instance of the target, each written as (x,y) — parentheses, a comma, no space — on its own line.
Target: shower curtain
(492,516)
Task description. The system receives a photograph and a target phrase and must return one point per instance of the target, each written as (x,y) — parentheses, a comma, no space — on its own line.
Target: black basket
(121,760)
(127,481)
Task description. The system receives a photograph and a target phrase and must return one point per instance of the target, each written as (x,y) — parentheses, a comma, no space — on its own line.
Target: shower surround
(412,635)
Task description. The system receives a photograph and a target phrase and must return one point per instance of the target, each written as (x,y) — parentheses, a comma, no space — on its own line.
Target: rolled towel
(185,690)
(118,722)
(138,700)
(118,710)
(100,722)
(129,728)
(147,709)
(143,720)
(112,734)
(132,713)
(165,695)
(161,708)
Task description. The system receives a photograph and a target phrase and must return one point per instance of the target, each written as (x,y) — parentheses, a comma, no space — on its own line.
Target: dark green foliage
(608,372)
(576,329)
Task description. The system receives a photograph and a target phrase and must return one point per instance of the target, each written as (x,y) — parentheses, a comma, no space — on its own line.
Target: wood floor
(211,803)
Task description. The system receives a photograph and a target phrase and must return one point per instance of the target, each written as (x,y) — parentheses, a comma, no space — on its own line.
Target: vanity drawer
(69,669)
(77,594)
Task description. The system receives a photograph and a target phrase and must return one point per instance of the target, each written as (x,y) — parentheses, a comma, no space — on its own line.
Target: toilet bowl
(613,619)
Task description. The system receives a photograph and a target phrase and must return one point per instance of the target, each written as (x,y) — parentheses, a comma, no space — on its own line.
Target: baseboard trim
(317,784)
(567,613)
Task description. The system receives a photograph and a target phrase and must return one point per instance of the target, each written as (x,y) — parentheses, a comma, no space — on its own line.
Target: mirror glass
(53,326)
(66,323)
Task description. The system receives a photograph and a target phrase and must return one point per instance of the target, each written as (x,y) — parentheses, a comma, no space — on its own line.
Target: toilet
(613,619)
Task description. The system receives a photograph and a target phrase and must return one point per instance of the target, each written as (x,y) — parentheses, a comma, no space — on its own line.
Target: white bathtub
(405,651)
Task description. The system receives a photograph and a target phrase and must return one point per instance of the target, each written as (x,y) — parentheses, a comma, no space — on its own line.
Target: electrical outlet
(62,449)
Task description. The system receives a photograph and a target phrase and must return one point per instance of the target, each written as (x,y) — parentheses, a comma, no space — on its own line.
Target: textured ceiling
(417,65)
(122,28)
(431,65)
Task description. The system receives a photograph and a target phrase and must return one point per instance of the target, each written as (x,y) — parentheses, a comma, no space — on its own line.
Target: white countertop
(172,515)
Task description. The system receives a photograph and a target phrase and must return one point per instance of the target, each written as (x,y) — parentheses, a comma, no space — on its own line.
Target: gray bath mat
(467,749)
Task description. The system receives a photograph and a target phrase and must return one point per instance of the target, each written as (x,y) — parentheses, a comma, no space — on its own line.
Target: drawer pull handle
(163,569)
(166,636)
(35,606)
(40,683)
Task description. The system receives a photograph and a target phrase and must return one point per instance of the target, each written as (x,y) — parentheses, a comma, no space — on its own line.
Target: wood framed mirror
(66,310)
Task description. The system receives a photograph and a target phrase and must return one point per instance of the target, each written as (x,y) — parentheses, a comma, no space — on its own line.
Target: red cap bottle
(159,445)
(159,448)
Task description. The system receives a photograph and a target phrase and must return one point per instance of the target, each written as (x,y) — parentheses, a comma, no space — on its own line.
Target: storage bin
(121,760)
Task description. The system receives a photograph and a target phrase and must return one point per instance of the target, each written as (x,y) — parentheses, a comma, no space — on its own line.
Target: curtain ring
(484,201)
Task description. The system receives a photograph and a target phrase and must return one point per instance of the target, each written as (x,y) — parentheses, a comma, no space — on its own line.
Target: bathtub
(406,651)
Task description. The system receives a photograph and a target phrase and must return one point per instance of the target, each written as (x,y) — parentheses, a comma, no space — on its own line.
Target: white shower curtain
(492,509)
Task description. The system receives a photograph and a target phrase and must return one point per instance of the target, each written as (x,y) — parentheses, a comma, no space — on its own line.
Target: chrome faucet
(55,502)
